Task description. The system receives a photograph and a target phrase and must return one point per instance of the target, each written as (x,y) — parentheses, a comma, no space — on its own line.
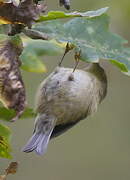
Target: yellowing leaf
(60,14)
(31,63)
(4,141)
(4,21)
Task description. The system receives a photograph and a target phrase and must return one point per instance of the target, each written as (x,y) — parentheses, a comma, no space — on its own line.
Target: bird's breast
(69,99)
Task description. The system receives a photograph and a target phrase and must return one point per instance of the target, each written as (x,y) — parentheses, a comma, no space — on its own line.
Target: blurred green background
(98,148)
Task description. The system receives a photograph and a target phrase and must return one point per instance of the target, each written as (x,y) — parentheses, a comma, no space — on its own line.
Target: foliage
(59,14)
(7,115)
(4,141)
(12,169)
(87,34)
(36,49)
(92,38)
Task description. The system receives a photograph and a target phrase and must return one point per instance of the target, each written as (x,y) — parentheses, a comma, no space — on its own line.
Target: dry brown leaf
(12,91)
(25,13)
(3,177)
(12,169)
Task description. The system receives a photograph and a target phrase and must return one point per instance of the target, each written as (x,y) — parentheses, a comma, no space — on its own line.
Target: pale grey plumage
(64,98)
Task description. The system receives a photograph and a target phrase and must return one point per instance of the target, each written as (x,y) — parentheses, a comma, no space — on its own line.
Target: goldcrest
(63,99)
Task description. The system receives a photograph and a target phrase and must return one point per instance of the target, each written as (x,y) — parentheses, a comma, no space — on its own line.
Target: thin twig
(35,34)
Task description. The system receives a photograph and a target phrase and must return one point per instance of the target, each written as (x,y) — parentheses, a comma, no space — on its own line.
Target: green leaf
(92,37)
(40,47)
(5,148)
(119,65)
(60,14)
(34,51)
(3,37)
(17,41)
(7,115)
(31,62)
(4,29)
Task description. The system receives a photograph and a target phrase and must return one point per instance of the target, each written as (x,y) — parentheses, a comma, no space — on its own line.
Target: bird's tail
(40,139)
(38,143)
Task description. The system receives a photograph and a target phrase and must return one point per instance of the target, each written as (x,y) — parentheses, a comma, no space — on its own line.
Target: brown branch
(35,34)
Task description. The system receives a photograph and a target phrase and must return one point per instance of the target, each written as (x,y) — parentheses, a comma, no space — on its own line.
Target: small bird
(63,99)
